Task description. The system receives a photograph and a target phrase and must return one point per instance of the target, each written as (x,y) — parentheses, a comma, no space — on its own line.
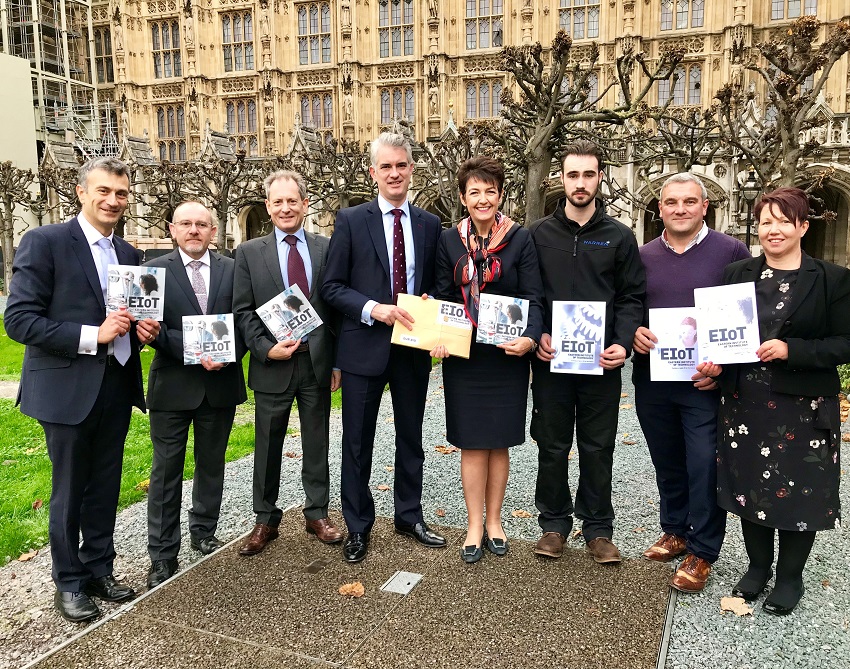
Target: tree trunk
(221,235)
(535,186)
(8,243)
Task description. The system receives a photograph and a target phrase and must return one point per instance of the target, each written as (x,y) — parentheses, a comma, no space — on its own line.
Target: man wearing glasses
(199,282)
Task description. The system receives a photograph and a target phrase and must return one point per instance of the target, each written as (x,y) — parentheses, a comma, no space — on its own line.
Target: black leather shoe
(751,585)
(422,533)
(75,606)
(161,571)
(471,554)
(355,547)
(109,590)
(206,545)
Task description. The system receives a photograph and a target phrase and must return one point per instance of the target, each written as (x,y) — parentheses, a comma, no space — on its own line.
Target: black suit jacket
(173,386)
(359,270)
(816,328)
(257,280)
(55,290)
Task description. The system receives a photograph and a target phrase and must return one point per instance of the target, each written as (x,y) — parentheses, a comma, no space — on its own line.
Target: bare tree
(15,193)
(63,182)
(792,68)
(555,101)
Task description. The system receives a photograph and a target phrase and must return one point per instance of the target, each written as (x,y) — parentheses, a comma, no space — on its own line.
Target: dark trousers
(169,434)
(680,426)
(589,405)
(270,423)
(407,375)
(86,480)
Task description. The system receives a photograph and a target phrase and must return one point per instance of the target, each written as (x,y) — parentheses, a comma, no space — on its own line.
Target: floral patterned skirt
(778,455)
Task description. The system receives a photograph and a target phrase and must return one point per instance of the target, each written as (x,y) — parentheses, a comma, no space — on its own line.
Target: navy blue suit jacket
(55,290)
(358,270)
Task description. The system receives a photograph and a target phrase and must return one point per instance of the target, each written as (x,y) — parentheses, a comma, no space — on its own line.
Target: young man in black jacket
(585,255)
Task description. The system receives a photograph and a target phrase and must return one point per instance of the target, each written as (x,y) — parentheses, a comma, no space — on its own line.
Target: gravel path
(816,636)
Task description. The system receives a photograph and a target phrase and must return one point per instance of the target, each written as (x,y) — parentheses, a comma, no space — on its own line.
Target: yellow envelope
(436,322)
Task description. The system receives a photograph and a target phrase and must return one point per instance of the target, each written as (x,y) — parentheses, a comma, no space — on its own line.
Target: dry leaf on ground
(571,455)
(143,485)
(520,513)
(825,583)
(441,513)
(629,442)
(576,534)
(390,420)
(845,437)
(383,487)
(26,557)
(637,530)
(445,450)
(37,504)
(30,451)
(389,468)
(624,394)
(354,589)
(292,454)
(626,406)
(736,605)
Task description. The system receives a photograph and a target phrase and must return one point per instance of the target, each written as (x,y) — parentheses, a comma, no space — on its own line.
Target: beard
(591,197)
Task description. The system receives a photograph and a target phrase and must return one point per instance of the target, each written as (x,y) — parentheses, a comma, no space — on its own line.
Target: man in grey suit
(206,395)
(280,372)
(81,377)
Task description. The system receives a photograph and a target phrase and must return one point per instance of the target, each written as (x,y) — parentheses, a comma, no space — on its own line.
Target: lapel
(216,274)
(316,261)
(806,278)
(80,245)
(272,260)
(418,247)
(375,224)
(177,272)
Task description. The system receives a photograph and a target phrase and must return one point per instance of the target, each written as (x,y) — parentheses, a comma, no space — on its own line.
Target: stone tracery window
(237,39)
(165,45)
(171,132)
(484,24)
(580,18)
(242,125)
(314,33)
(395,28)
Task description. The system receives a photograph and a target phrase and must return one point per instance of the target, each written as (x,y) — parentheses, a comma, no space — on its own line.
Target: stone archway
(830,241)
(257,222)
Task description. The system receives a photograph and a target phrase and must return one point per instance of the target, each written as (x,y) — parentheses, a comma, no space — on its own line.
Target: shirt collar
(205,259)
(93,235)
(280,235)
(702,234)
(386,207)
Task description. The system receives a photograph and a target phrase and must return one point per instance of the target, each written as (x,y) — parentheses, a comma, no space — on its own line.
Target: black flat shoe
(422,533)
(109,590)
(496,546)
(75,606)
(160,571)
(471,554)
(783,600)
(751,586)
(206,545)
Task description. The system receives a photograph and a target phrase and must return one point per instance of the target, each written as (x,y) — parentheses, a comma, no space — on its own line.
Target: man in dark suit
(280,372)
(81,377)
(378,250)
(199,282)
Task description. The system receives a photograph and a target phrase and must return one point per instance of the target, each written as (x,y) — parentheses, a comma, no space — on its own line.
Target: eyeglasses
(186,225)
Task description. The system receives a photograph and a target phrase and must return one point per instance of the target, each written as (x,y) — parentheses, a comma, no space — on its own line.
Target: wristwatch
(533,344)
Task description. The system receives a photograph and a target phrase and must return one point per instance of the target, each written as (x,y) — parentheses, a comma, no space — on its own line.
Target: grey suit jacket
(55,290)
(173,386)
(257,280)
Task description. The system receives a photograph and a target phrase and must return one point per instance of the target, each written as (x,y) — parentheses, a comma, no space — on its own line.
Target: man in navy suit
(179,396)
(81,377)
(378,250)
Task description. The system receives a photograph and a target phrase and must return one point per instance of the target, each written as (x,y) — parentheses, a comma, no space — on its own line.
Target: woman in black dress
(487,395)
(777,459)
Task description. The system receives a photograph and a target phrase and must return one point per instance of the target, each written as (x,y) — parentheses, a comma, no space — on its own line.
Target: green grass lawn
(25,468)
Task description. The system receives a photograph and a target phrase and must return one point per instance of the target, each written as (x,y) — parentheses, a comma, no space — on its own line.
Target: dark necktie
(399,260)
(295,266)
(198,284)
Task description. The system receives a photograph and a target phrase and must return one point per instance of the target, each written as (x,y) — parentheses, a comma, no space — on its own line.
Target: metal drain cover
(402,582)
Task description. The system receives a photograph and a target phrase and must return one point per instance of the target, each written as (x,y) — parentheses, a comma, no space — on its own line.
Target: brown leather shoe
(259,537)
(551,544)
(603,550)
(691,574)
(324,530)
(668,547)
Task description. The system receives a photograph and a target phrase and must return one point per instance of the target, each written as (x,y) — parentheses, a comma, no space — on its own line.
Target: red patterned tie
(399,260)
(295,266)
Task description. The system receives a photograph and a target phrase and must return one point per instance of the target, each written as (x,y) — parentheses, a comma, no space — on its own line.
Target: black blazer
(55,290)
(816,328)
(359,270)
(173,386)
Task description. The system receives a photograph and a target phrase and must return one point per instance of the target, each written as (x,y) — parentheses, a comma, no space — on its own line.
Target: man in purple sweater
(679,420)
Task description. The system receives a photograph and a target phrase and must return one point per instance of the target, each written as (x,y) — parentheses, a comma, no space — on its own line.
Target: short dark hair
(109,165)
(149,282)
(583,147)
(792,202)
(484,169)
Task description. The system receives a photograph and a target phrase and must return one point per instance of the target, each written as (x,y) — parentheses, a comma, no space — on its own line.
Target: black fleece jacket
(597,261)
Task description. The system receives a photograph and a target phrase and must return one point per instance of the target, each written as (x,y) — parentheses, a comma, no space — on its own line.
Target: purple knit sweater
(671,277)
